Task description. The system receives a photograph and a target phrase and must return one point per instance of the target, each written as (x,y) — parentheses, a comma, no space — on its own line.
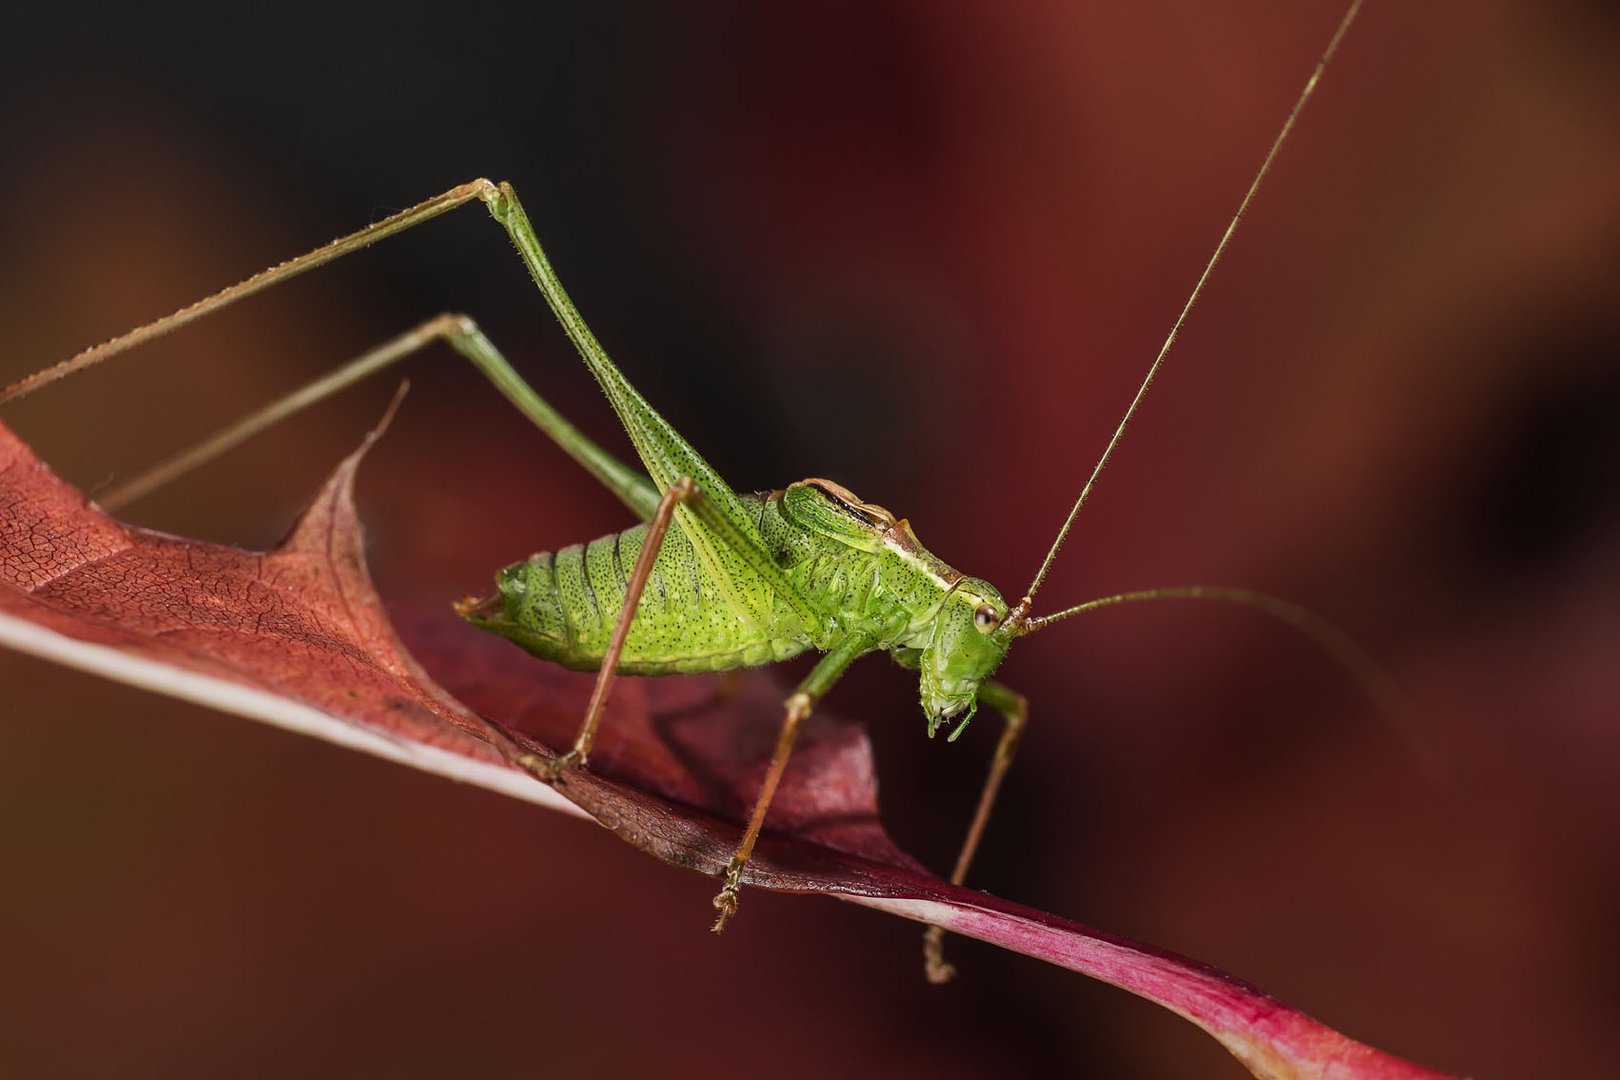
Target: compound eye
(986,618)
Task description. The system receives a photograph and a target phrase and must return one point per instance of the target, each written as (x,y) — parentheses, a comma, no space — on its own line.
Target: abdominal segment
(563,605)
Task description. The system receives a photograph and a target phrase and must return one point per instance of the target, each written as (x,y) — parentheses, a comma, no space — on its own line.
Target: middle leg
(799,705)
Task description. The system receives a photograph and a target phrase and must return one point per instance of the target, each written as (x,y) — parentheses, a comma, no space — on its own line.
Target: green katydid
(709,579)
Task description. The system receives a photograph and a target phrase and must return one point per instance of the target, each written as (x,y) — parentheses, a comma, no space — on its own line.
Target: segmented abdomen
(563,605)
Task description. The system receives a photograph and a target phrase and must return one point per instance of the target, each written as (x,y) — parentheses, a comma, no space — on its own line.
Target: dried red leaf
(297,636)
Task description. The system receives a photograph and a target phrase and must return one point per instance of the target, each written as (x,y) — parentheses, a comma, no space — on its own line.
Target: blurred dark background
(927,251)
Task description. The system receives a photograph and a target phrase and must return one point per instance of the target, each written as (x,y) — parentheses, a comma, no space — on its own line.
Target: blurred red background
(927,251)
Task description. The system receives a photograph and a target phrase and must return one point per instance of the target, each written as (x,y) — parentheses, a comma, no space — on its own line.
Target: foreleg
(1014,709)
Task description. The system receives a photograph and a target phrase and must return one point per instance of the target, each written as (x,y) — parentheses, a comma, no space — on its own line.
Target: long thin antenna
(1380,687)
(1345,651)
(1220,249)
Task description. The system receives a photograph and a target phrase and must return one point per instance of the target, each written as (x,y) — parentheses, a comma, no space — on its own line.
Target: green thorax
(861,570)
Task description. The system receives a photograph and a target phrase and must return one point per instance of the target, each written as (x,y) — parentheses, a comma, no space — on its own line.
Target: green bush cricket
(712,580)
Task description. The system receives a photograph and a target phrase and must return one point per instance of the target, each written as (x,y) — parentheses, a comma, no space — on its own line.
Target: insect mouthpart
(961,706)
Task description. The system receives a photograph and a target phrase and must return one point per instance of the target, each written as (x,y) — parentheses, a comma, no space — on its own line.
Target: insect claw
(725,901)
(936,968)
(726,904)
(551,770)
